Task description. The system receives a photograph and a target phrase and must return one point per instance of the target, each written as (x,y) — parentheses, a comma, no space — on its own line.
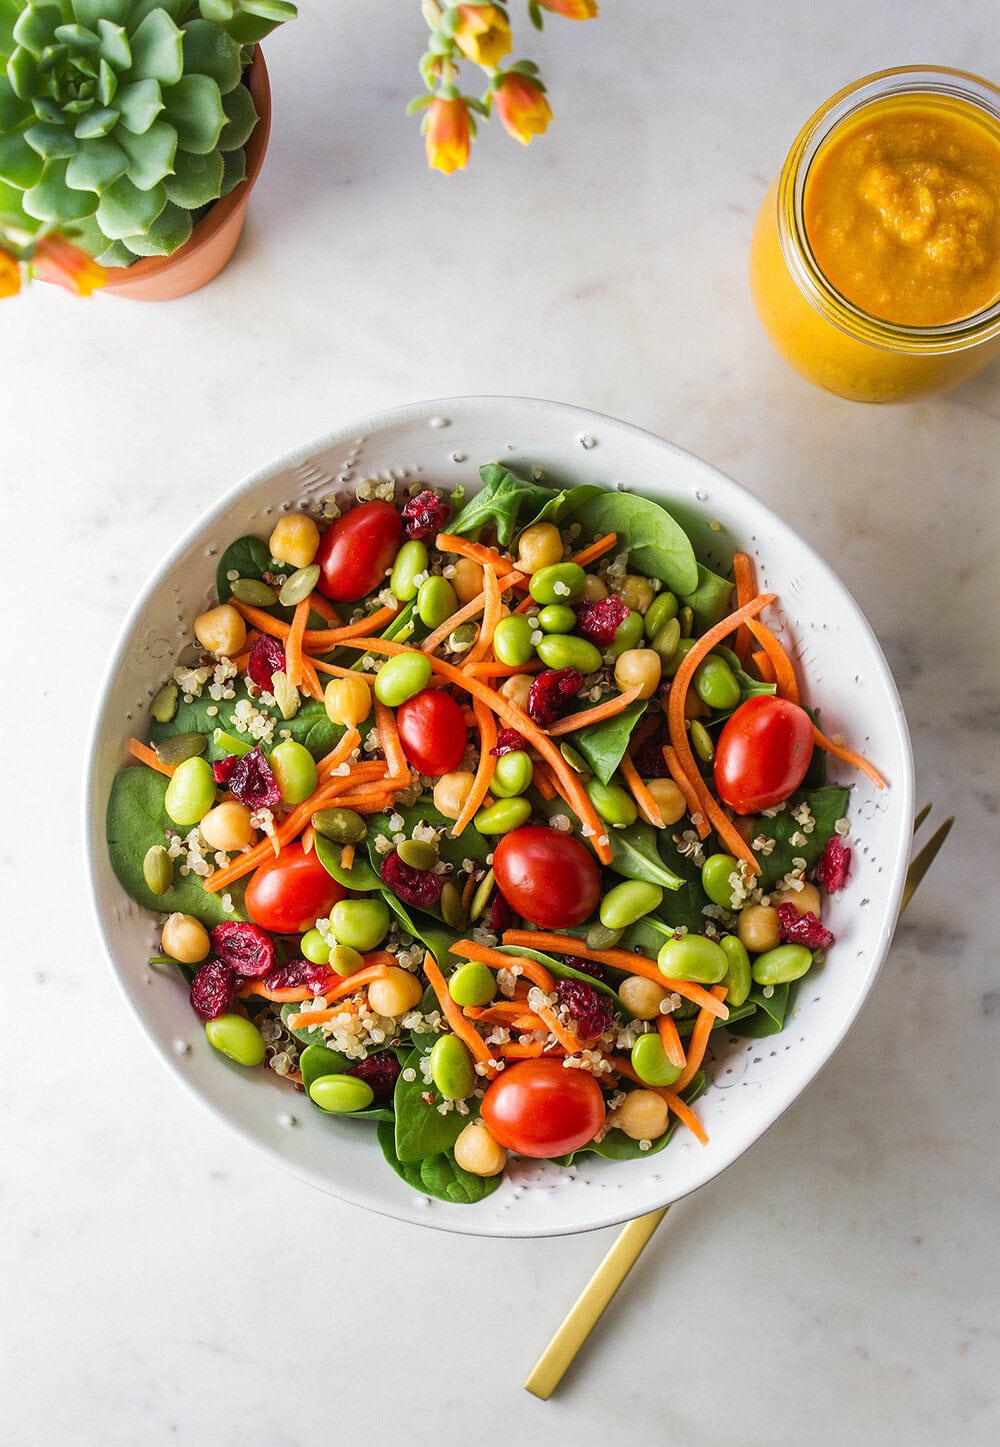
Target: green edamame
(566,650)
(361,923)
(472,984)
(452,1070)
(294,770)
(627,635)
(666,640)
(237,1037)
(737,978)
(513,774)
(558,583)
(190,793)
(693,957)
(340,1094)
(314,947)
(401,677)
(436,601)
(503,816)
(671,665)
(411,561)
(512,640)
(661,611)
(781,965)
(557,618)
(716,881)
(650,1063)
(716,684)
(613,803)
(628,902)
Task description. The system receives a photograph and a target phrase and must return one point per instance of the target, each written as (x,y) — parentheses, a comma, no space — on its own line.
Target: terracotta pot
(213,240)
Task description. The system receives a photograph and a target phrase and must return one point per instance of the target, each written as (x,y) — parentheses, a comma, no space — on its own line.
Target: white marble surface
(160,1283)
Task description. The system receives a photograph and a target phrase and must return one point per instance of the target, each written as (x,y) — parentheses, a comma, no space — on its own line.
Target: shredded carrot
(673,1047)
(848,756)
(609,709)
(465,1031)
(240,660)
(531,1050)
(535,972)
(745,577)
(468,891)
(289,995)
(308,838)
(485,557)
(648,807)
(273,627)
(310,680)
(465,614)
(388,737)
(764,666)
(784,672)
(490,668)
(347,857)
(323,638)
(149,756)
(492,613)
(484,770)
(381,963)
(595,550)
(698,1043)
(683,1112)
(324,609)
(690,797)
(542,780)
(293,643)
(505,1012)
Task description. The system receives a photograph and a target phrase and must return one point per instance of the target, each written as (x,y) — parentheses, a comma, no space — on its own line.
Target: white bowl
(751,1082)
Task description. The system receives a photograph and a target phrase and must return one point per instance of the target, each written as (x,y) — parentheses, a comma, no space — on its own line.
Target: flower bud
(482,34)
(521,105)
(59,261)
(448,134)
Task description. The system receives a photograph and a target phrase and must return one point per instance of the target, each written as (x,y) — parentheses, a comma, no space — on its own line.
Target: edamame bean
(472,984)
(558,583)
(512,775)
(237,1037)
(361,923)
(411,561)
(612,802)
(566,650)
(627,635)
(650,1063)
(629,901)
(557,618)
(737,978)
(418,853)
(671,665)
(340,1094)
(512,640)
(345,960)
(342,826)
(716,684)
(503,816)
(781,965)
(661,611)
(716,881)
(190,793)
(452,1070)
(401,677)
(693,957)
(294,770)
(666,640)
(436,601)
(314,947)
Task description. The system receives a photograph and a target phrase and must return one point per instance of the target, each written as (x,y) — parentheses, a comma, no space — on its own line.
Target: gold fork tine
(586,1311)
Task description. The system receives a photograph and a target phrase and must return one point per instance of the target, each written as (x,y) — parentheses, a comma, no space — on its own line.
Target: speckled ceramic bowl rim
(464,1219)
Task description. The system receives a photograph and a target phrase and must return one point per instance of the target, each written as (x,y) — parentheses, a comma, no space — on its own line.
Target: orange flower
(448,134)
(572,9)
(10,274)
(483,34)
(521,105)
(58,260)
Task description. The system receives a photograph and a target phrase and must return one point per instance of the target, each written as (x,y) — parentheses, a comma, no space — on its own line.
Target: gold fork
(586,1311)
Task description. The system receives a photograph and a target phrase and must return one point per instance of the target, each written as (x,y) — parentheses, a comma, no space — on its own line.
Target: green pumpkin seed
(299,585)
(701,741)
(343,826)
(164,705)
(575,760)
(482,896)
(461,639)
(158,869)
(600,937)
(286,695)
(175,750)
(686,615)
(253,591)
(418,853)
(451,905)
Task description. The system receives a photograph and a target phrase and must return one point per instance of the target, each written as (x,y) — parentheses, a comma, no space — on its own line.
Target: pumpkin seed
(686,616)
(157,869)
(343,826)
(461,639)
(418,854)
(451,905)
(599,937)
(701,741)
(253,591)
(175,750)
(164,705)
(575,760)
(299,585)
(482,896)
(286,695)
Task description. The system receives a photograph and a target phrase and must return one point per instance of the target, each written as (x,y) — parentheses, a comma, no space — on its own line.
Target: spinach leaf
(565,972)
(708,597)
(421,1129)
(749,687)
(470,845)
(318,1060)
(656,544)
(310,726)
(686,1026)
(361,876)
(603,744)
(563,503)
(769,1015)
(437,1175)
(500,501)
(136,820)
(634,855)
(249,557)
(827,806)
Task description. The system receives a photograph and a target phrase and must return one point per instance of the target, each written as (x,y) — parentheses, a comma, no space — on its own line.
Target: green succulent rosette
(121,119)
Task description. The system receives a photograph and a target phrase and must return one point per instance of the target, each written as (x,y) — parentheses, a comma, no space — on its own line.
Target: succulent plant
(122,118)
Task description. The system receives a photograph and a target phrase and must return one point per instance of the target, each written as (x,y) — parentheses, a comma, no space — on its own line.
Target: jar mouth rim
(925,80)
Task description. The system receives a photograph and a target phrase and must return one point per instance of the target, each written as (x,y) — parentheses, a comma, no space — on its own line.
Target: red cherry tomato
(549,878)
(432,731)
(356,550)
(762,753)
(289,894)
(539,1108)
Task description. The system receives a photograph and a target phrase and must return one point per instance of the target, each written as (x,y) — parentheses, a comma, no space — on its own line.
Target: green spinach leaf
(361,876)
(634,855)
(603,744)
(826,805)
(656,544)
(437,1175)
(500,501)
(565,503)
(421,1129)
(769,1013)
(310,726)
(564,972)
(709,597)
(248,557)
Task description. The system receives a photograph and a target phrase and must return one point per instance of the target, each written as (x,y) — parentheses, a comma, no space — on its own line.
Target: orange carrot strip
(858,761)
(784,672)
(673,1047)
(491,617)
(388,737)
(530,1050)
(310,680)
(764,666)
(273,627)
(308,839)
(485,557)
(698,1043)
(336,671)
(484,770)
(535,972)
(489,668)
(595,550)
(542,781)
(507,1013)
(465,1031)
(289,995)
(690,797)
(293,643)
(323,638)
(608,709)
(148,756)
(745,577)
(347,856)
(683,1112)
(648,807)
(324,609)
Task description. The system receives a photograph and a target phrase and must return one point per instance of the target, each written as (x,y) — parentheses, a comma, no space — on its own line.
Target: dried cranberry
(223,769)
(599,622)
(586,967)
(253,783)
(591,1010)
(267,657)
(245,948)
(834,866)
(502,917)
(802,929)
(551,694)
(425,514)
(419,887)
(212,990)
(380,1072)
(649,760)
(298,972)
(509,741)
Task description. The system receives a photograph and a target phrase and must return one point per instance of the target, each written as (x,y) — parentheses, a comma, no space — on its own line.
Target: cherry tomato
(357,549)
(289,894)
(432,731)
(548,877)
(539,1108)
(762,753)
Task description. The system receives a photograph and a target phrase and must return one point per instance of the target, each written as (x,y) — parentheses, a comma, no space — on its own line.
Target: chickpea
(668,799)
(642,997)
(642,1115)
(539,547)
(185,939)
(451,792)
(221,631)
(806,900)
(594,589)
(477,1152)
(639,668)
(395,993)
(758,929)
(636,592)
(467,580)
(295,540)
(348,701)
(228,827)
(516,689)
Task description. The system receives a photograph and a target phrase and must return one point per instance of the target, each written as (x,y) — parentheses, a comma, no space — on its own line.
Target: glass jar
(826,336)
